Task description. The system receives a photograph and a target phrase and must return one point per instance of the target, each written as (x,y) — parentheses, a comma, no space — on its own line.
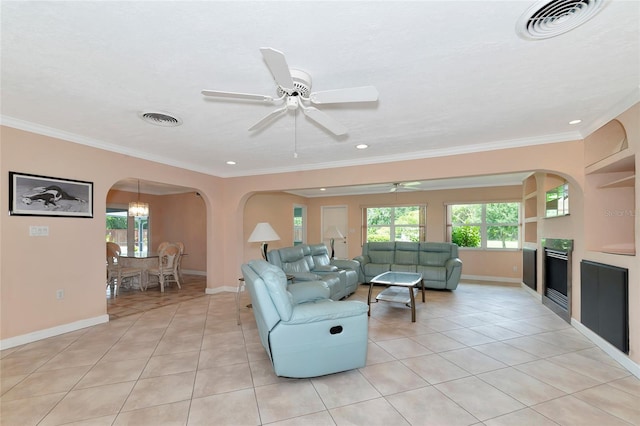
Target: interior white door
(336,216)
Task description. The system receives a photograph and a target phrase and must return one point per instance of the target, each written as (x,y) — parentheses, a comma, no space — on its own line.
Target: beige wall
(72,256)
(28,303)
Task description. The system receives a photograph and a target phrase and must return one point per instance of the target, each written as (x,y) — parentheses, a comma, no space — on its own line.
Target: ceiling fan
(404,186)
(294,91)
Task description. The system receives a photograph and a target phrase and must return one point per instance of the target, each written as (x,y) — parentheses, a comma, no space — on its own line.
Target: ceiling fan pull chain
(295,134)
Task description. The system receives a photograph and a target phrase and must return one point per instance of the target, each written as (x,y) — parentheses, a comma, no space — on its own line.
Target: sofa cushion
(309,291)
(373,269)
(406,253)
(434,254)
(276,283)
(403,268)
(382,252)
(291,254)
(432,273)
(326,310)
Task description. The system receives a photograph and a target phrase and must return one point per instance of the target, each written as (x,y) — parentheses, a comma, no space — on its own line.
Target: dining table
(142,260)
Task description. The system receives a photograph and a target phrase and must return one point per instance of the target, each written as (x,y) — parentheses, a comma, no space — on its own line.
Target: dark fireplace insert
(556,283)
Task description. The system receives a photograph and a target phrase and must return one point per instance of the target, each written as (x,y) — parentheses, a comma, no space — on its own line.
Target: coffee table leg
(413,305)
(369,299)
(422,282)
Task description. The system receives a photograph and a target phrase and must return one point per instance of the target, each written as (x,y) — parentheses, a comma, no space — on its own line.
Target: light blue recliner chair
(305,333)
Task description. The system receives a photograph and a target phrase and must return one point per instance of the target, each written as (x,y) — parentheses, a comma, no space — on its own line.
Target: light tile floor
(480,355)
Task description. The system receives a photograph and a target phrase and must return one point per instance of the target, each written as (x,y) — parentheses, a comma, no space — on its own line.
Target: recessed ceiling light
(362,146)
(231,163)
(575,121)
(323,189)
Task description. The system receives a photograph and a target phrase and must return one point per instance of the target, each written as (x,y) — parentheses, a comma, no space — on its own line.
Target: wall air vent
(160,119)
(546,19)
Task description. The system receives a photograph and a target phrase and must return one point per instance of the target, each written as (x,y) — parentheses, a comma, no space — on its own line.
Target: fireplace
(556,273)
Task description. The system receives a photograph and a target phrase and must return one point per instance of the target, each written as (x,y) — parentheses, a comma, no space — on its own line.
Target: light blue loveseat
(309,262)
(305,333)
(437,262)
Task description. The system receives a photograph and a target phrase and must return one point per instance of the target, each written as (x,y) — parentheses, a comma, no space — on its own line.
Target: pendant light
(138,208)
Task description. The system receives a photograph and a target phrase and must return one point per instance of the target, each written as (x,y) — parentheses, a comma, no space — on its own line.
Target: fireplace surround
(556,276)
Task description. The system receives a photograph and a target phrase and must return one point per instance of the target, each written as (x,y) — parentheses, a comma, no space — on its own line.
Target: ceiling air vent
(546,19)
(160,119)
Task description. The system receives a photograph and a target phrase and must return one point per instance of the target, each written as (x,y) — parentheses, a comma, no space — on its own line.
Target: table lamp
(263,232)
(332,234)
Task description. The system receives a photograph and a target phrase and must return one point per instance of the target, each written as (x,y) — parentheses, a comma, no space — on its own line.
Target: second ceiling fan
(294,91)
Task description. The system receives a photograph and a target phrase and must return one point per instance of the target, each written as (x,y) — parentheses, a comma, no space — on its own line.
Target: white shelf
(626,182)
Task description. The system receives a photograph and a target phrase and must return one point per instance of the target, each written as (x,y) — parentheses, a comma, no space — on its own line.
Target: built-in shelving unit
(530,198)
(610,179)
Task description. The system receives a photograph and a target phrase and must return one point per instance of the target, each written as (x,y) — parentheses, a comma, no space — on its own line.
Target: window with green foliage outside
(487,225)
(397,223)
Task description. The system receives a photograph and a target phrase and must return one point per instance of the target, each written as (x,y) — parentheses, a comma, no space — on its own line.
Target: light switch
(38,231)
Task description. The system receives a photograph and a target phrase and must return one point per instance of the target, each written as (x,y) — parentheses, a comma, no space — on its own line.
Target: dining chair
(162,245)
(116,273)
(167,270)
(180,245)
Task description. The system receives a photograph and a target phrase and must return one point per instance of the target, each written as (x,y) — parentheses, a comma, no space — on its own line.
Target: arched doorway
(176,214)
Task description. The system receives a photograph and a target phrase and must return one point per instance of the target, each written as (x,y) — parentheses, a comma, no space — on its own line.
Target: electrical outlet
(59,294)
(515,268)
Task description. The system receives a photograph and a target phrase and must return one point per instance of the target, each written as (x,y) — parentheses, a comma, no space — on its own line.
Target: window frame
(421,226)
(484,225)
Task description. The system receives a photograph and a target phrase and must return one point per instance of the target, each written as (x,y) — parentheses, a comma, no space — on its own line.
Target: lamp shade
(263,232)
(333,232)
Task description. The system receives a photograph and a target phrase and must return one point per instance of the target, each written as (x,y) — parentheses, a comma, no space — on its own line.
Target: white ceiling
(453,77)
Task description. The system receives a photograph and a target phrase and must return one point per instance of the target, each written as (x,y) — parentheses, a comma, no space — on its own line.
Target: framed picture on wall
(33,195)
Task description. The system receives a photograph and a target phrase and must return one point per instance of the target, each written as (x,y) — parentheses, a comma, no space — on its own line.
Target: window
(487,226)
(126,231)
(299,232)
(400,223)
(557,202)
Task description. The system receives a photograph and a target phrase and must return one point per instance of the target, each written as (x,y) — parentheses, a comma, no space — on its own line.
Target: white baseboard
(224,288)
(194,272)
(488,278)
(531,291)
(611,350)
(51,332)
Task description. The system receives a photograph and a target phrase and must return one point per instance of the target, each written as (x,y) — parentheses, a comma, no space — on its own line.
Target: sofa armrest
(304,276)
(362,260)
(325,268)
(326,311)
(308,291)
(346,264)
(452,264)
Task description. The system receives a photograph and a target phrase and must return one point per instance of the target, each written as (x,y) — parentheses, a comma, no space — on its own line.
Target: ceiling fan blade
(236,95)
(325,121)
(277,64)
(268,118)
(354,94)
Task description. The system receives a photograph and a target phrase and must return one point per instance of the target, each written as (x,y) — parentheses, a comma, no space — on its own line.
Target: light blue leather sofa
(305,333)
(311,262)
(437,262)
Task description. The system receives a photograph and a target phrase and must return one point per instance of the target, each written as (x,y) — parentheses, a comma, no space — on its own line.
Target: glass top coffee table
(397,285)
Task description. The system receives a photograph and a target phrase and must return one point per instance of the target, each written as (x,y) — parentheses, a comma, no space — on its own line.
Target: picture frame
(35,195)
